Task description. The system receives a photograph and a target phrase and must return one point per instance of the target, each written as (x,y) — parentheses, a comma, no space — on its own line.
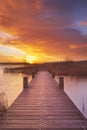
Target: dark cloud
(65,4)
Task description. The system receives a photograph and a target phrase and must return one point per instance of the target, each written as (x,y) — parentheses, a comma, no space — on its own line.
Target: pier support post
(25,82)
(53,74)
(33,75)
(61,82)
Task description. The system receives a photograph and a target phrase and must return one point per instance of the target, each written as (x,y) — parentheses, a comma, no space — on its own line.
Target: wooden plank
(32,117)
(43,106)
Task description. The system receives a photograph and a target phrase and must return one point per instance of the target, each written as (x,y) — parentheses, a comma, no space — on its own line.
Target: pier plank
(43,106)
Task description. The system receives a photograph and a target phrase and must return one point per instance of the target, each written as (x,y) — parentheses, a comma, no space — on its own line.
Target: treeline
(60,68)
(69,68)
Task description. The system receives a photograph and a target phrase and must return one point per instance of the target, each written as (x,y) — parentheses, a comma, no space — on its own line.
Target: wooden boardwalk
(43,106)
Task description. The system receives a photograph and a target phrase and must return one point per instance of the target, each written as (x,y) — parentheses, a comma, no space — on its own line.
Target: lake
(11,85)
(76,88)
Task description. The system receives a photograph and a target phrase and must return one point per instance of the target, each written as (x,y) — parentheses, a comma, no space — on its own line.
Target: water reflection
(76,89)
(11,85)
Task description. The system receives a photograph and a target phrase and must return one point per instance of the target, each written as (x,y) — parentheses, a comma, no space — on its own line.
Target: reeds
(3,103)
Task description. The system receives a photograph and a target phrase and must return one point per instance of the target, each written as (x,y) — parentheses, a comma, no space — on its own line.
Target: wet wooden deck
(43,106)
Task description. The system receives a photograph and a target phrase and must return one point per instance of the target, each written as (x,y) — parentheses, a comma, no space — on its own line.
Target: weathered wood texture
(43,106)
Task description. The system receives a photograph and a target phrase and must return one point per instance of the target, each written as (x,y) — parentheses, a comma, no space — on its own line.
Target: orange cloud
(83,23)
(37,4)
(73,46)
(42,28)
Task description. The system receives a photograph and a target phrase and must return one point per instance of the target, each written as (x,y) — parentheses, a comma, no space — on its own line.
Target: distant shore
(59,68)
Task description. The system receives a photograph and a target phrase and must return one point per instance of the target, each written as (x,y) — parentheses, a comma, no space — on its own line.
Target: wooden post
(49,71)
(33,75)
(25,82)
(53,74)
(61,82)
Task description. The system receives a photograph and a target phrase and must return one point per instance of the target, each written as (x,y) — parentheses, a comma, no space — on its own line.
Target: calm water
(76,89)
(11,85)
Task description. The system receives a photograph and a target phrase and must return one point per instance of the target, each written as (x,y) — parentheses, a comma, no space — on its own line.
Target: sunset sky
(43,30)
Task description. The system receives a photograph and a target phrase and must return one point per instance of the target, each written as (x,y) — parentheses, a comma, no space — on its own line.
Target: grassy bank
(60,68)
(69,68)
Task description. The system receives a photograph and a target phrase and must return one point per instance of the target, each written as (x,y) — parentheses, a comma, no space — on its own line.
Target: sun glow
(30,59)
(15,54)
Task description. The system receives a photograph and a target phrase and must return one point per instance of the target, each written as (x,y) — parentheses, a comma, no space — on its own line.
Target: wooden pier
(43,106)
